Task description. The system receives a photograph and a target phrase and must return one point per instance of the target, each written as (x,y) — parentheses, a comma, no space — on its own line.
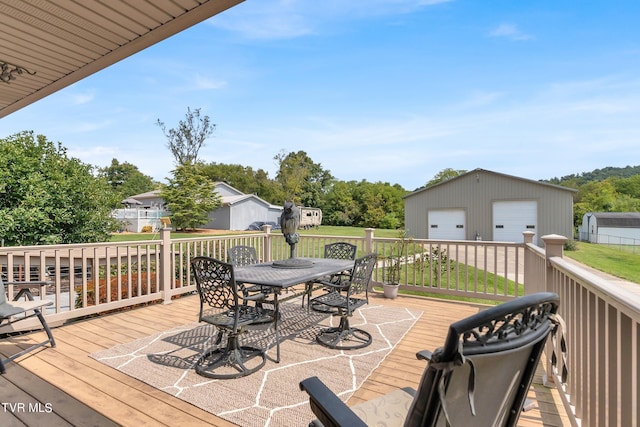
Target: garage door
(448,224)
(510,219)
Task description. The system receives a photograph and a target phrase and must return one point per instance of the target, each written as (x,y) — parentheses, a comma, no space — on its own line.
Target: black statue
(289,222)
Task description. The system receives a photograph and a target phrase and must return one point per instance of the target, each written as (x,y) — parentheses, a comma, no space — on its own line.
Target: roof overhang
(48,45)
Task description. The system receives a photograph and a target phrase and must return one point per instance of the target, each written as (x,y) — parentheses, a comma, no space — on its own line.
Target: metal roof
(479,170)
(47,45)
(618,219)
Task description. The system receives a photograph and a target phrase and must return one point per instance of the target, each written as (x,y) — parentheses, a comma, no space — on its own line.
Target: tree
(303,181)
(339,207)
(126,180)
(444,175)
(47,197)
(186,141)
(190,196)
(381,205)
(247,180)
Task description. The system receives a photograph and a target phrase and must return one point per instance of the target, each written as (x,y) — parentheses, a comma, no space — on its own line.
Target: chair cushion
(388,410)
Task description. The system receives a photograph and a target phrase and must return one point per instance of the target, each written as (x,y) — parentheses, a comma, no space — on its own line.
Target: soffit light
(8,71)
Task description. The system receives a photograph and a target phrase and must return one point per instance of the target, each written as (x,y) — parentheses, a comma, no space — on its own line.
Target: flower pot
(390,290)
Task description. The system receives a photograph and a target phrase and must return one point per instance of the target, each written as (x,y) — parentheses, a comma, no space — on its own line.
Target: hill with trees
(608,189)
(575,180)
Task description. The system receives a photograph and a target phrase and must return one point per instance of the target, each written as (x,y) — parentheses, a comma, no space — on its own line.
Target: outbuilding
(611,228)
(236,212)
(239,210)
(486,205)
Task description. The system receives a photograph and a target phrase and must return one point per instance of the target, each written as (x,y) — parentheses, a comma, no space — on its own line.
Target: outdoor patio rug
(271,396)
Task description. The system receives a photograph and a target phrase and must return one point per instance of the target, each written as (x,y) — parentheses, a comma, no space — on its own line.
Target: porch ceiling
(64,41)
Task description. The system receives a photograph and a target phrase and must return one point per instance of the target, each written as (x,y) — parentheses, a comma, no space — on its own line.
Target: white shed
(612,228)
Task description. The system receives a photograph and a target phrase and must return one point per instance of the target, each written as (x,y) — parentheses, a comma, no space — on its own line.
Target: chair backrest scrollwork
(215,283)
(483,372)
(242,255)
(361,275)
(340,250)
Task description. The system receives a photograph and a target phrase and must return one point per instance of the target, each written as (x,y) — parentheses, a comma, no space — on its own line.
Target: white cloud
(481,98)
(207,83)
(280,19)
(97,155)
(510,31)
(84,127)
(81,98)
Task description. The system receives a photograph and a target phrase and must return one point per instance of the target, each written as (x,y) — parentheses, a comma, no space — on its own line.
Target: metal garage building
(487,205)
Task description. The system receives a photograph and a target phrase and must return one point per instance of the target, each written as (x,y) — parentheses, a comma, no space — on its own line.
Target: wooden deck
(65,387)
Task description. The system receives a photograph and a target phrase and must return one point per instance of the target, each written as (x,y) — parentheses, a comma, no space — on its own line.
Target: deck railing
(603,341)
(602,332)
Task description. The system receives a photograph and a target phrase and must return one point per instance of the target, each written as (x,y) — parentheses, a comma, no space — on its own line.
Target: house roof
(51,45)
(232,200)
(148,195)
(226,200)
(479,170)
(617,219)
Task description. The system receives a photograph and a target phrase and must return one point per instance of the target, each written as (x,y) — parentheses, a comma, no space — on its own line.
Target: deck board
(83,391)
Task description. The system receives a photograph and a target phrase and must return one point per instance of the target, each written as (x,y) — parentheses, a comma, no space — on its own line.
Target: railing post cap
(554,239)
(528,236)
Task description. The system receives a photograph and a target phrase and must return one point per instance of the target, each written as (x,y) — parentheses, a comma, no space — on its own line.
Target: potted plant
(392,265)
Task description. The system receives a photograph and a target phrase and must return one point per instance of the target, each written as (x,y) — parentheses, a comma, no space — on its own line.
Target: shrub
(147,229)
(91,286)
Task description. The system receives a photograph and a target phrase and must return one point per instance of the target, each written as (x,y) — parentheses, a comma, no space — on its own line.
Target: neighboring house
(614,228)
(149,200)
(237,211)
(486,205)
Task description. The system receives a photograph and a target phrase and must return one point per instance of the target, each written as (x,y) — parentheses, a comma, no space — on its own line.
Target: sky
(379,90)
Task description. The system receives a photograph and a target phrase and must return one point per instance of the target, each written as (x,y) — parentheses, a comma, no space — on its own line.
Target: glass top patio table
(267,275)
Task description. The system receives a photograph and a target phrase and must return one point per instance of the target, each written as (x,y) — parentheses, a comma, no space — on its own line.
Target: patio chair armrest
(255,297)
(330,410)
(332,285)
(30,283)
(424,355)
(26,286)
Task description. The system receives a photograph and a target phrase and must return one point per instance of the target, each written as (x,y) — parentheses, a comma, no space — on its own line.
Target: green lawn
(609,259)
(131,237)
(333,230)
(323,230)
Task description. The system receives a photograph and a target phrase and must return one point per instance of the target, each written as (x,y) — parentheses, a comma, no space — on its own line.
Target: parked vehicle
(310,217)
(257,225)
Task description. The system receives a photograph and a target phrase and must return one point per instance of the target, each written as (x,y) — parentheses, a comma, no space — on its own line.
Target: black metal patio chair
(221,305)
(347,298)
(243,255)
(480,377)
(336,250)
(18,310)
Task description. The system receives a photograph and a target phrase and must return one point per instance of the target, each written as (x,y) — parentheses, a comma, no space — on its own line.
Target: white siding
(511,218)
(447,224)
